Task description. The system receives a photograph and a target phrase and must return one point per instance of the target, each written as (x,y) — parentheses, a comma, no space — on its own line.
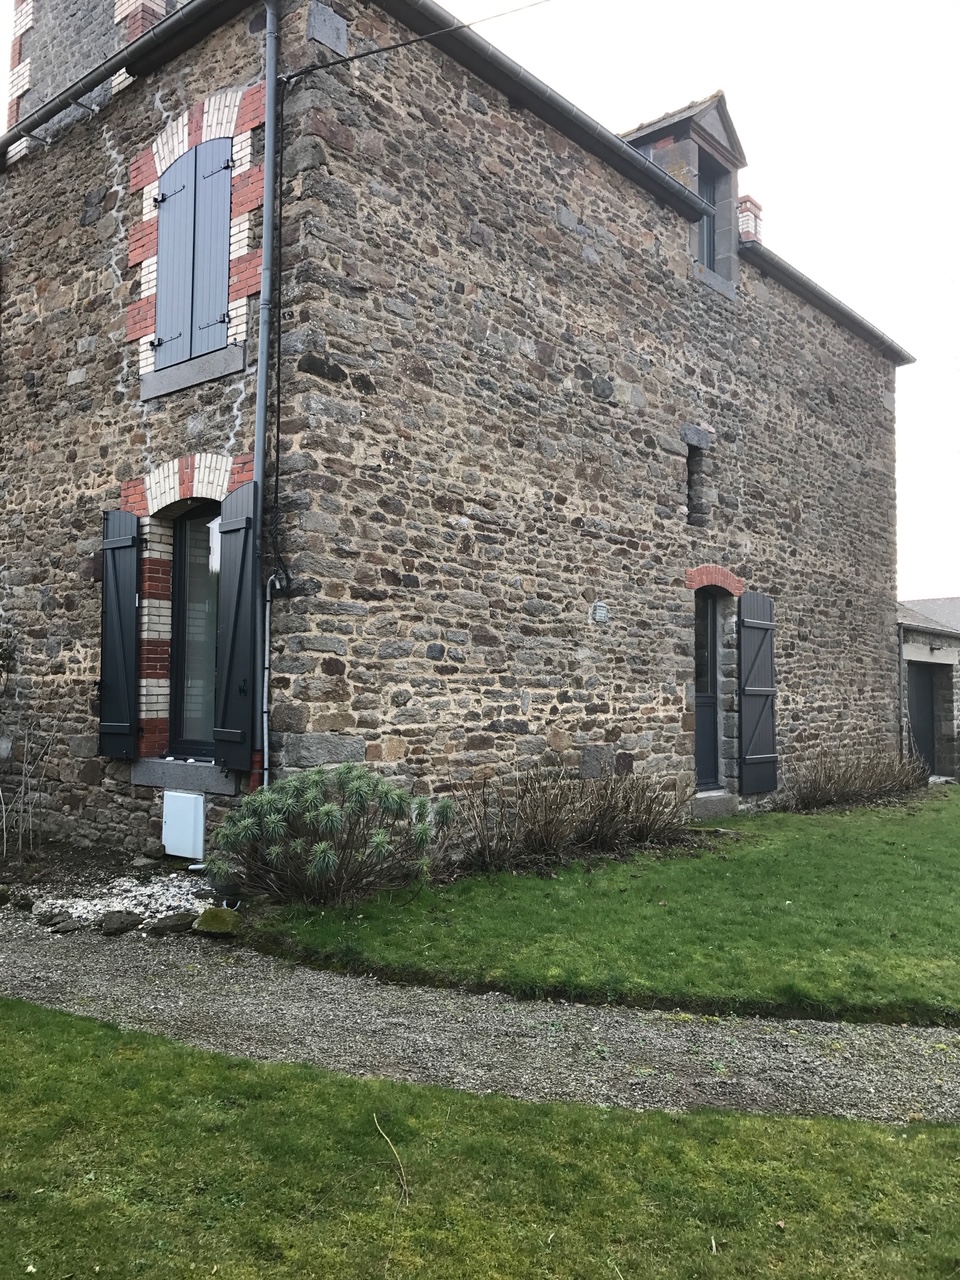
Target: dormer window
(699,147)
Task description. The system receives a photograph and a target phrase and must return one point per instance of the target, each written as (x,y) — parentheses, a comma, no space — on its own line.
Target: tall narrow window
(708,223)
(193,667)
(707,704)
(698,511)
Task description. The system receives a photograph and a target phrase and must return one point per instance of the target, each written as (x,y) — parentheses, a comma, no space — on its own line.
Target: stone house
(929,634)
(489,437)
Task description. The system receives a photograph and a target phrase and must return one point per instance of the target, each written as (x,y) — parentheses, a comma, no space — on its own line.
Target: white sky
(845,110)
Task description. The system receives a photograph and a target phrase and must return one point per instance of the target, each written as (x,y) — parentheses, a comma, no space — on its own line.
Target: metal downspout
(900,718)
(261,629)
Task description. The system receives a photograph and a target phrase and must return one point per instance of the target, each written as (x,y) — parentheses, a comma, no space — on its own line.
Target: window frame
(178,745)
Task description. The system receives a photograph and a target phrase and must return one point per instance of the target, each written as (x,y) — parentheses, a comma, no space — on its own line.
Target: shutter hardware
(227,164)
(224,319)
(158,342)
(158,200)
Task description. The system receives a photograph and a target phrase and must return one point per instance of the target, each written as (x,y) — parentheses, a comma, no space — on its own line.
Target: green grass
(141,1157)
(851,914)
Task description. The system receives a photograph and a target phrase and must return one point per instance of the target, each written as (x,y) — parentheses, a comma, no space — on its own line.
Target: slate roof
(911,616)
(944,610)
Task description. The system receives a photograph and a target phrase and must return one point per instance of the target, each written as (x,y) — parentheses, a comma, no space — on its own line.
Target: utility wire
(294,76)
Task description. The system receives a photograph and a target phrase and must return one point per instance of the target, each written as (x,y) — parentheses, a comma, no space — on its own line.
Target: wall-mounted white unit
(183,825)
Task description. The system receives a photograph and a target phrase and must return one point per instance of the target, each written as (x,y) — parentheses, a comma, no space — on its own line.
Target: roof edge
(494,67)
(771,264)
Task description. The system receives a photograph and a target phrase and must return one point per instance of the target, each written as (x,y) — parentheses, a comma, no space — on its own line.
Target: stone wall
(493,357)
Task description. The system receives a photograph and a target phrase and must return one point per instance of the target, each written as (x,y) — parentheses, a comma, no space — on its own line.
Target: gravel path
(239,1002)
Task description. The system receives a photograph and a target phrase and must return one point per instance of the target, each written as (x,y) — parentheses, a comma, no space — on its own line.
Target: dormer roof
(708,122)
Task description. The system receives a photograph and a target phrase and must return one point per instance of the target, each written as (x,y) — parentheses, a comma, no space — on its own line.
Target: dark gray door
(707,749)
(920,702)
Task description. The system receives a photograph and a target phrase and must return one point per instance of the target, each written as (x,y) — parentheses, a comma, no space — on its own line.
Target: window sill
(713,281)
(190,373)
(178,775)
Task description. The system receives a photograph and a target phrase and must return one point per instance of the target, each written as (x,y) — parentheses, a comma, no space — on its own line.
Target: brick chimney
(750,221)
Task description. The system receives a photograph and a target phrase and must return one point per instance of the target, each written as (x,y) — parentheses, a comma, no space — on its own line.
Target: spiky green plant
(331,836)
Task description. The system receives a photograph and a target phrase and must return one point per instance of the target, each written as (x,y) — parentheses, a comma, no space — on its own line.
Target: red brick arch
(714,575)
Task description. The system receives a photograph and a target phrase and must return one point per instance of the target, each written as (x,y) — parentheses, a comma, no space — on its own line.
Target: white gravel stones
(161,895)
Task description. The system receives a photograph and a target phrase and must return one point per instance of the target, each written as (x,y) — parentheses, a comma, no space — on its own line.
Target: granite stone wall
(494,361)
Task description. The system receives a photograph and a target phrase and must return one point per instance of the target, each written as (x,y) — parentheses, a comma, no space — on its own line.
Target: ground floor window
(195,626)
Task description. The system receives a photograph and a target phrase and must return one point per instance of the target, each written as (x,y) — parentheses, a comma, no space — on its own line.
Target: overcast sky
(845,111)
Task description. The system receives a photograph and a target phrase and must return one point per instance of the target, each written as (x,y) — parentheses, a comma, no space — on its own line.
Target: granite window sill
(713,281)
(191,373)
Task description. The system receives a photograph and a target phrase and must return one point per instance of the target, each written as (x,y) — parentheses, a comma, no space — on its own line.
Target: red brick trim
(247,191)
(133,496)
(714,575)
(13,112)
(241,471)
(195,125)
(154,737)
(245,275)
(141,318)
(143,170)
(140,21)
(143,241)
(252,109)
(156,578)
(154,659)
(16,51)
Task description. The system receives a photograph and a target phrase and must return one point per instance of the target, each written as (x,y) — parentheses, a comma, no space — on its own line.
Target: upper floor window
(193,254)
(707,189)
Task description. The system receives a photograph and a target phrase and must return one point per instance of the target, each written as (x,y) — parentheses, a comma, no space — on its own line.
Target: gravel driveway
(239,1002)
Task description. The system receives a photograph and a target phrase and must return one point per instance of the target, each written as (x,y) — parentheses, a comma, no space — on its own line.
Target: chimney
(751,223)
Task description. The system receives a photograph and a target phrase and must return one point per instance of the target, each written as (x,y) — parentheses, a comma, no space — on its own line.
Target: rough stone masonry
(493,353)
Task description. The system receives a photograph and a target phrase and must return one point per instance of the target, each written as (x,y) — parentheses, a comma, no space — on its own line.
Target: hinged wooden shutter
(118,636)
(211,258)
(175,256)
(758,735)
(236,651)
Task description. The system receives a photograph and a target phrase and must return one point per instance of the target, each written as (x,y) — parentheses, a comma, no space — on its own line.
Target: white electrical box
(183,825)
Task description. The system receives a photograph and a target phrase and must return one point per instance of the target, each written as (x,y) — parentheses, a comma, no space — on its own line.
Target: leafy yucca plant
(330,836)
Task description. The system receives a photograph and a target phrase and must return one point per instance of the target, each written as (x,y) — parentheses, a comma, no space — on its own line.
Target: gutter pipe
(900,687)
(261,617)
(272,581)
(773,265)
(169,37)
(523,89)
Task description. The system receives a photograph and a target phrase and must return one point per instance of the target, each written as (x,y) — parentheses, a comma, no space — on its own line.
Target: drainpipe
(900,724)
(272,581)
(260,616)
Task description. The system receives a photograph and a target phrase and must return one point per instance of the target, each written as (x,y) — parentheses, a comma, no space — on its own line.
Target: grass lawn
(851,914)
(126,1155)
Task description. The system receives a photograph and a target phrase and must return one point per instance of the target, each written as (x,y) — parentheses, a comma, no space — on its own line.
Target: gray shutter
(211,258)
(175,240)
(118,636)
(236,650)
(758,734)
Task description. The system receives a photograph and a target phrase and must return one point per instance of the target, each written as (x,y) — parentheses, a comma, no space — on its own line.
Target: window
(195,613)
(193,254)
(207,691)
(707,187)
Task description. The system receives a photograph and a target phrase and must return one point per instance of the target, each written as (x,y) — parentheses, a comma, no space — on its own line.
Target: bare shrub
(329,837)
(25,742)
(541,818)
(876,778)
